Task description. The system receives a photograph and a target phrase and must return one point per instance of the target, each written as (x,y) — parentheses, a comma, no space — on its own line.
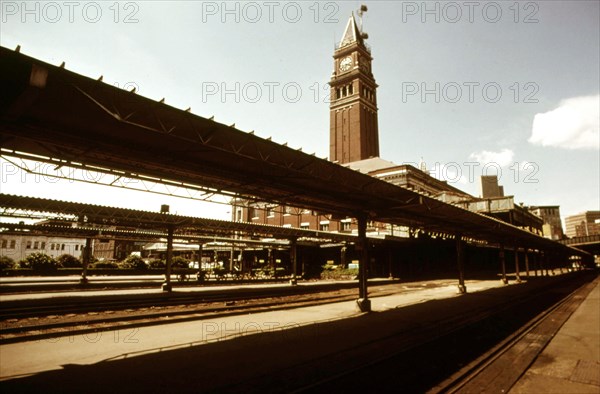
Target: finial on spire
(423,166)
(363,8)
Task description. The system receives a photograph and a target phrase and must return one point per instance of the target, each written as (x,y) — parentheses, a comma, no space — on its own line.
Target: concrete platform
(185,290)
(262,352)
(571,362)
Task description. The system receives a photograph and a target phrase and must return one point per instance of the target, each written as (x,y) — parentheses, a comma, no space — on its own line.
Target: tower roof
(352,33)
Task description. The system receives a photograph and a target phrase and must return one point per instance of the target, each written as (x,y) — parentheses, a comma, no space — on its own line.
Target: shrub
(41,262)
(135,262)
(6,263)
(105,264)
(68,261)
(124,265)
(157,264)
(180,262)
(338,273)
(23,264)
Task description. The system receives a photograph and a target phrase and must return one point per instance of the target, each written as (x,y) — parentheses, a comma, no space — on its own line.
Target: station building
(19,246)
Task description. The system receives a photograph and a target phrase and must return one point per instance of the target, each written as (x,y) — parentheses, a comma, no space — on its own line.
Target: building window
(28,246)
(43,246)
(62,247)
(324,227)
(252,213)
(4,243)
(13,243)
(270,212)
(346,226)
(36,244)
(350,89)
(305,226)
(51,246)
(76,248)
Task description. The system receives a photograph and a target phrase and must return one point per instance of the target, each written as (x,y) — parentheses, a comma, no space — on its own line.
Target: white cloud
(503,158)
(574,124)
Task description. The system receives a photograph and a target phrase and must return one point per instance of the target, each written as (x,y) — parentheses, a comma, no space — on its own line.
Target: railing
(367,46)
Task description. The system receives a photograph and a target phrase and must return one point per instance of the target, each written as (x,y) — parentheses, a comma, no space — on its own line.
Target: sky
(470,88)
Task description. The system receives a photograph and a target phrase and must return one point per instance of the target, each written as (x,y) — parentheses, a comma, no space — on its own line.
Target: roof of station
(49,111)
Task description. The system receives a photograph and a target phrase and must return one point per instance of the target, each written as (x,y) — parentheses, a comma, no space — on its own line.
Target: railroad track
(63,305)
(519,351)
(78,318)
(8,286)
(417,358)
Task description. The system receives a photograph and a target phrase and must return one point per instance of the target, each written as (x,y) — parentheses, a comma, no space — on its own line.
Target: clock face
(346,63)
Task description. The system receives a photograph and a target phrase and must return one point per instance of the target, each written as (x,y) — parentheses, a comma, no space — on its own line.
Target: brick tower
(353,109)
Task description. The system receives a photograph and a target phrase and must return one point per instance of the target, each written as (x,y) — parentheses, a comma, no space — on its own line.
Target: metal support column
(503,264)
(460,263)
(167,284)
(86,257)
(517,270)
(390,259)
(543,264)
(526,263)
(363,302)
(293,260)
(200,274)
(270,260)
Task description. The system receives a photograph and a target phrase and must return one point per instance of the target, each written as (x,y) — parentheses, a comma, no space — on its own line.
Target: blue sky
(466,86)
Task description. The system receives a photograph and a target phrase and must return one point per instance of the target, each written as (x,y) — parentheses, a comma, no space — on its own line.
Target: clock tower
(353,108)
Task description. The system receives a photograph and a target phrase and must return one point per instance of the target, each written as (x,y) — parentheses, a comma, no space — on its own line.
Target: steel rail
(466,376)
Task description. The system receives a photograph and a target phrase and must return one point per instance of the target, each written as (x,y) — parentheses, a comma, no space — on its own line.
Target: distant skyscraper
(583,224)
(490,187)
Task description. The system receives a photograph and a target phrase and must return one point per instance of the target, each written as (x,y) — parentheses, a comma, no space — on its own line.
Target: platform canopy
(51,112)
(96,220)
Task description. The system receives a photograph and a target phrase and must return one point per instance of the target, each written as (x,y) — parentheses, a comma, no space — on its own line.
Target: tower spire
(351,33)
